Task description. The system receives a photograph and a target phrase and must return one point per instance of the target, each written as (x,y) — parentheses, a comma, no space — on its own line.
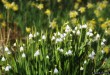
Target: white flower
(85,62)
(43,37)
(81,68)
(9,52)
(76,28)
(53,38)
(6,49)
(59,33)
(68,29)
(103,51)
(61,50)
(23,55)
(8,68)
(37,53)
(73,31)
(102,43)
(103,40)
(47,57)
(84,26)
(55,71)
(30,36)
(90,30)
(14,44)
(90,34)
(92,55)
(3,59)
(78,32)
(97,36)
(69,52)
(21,49)
(59,40)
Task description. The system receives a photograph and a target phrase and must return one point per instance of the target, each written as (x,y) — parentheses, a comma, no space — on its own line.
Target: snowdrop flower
(6,49)
(78,32)
(7,68)
(73,31)
(63,35)
(8,52)
(30,36)
(53,38)
(102,43)
(103,40)
(23,55)
(14,44)
(59,40)
(61,50)
(90,30)
(84,26)
(69,52)
(21,49)
(59,33)
(92,55)
(85,62)
(103,51)
(47,57)
(68,29)
(3,59)
(76,28)
(55,71)
(81,68)
(37,53)
(43,37)
(97,36)
(90,34)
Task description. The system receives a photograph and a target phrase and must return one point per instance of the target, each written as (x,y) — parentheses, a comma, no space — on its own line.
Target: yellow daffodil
(73,14)
(100,19)
(106,49)
(79,1)
(97,12)
(1,16)
(40,6)
(82,9)
(89,5)
(58,1)
(76,6)
(48,12)
(53,24)
(28,29)
(3,24)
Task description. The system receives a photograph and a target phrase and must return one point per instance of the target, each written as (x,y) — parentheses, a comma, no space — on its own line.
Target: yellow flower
(89,5)
(3,24)
(104,26)
(79,1)
(106,49)
(82,9)
(74,21)
(97,12)
(48,12)
(100,19)
(28,29)
(14,6)
(102,5)
(58,1)
(53,24)
(33,4)
(40,6)
(1,16)
(76,6)
(73,14)
(8,5)
(92,24)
